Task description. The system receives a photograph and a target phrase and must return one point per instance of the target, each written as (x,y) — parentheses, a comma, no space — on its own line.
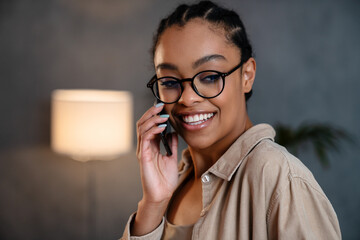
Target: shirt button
(205,178)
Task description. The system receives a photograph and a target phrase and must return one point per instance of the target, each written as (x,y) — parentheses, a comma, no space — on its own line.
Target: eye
(208,77)
(168,83)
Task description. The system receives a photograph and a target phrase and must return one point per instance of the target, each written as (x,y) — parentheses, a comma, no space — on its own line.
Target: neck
(203,159)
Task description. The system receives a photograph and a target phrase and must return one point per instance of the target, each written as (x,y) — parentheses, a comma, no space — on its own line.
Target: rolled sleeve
(154,235)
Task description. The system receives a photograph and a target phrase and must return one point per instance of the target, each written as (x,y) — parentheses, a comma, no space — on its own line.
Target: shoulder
(274,167)
(286,192)
(273,158)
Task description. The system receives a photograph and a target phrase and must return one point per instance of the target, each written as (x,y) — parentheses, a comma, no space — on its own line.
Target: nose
(189,96)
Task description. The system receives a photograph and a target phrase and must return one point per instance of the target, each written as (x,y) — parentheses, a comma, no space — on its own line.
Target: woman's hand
(159,173)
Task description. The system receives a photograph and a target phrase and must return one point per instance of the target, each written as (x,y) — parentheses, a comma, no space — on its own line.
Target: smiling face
(205,124)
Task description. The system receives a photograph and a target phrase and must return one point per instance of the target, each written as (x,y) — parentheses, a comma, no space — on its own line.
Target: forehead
(195,39)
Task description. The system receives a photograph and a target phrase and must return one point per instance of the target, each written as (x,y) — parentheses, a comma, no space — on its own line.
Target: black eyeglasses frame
(153,80)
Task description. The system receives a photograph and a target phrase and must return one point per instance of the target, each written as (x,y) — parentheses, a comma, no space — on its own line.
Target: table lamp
(91,124)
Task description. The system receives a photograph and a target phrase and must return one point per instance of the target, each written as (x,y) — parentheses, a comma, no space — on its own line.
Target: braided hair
(207,10)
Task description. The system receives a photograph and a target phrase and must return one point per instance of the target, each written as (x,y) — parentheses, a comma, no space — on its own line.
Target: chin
(198,142)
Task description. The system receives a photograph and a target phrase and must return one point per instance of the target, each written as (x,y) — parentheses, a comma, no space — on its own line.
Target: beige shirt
(257,190)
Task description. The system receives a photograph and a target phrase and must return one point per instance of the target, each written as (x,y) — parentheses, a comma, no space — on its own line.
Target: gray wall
(307,52)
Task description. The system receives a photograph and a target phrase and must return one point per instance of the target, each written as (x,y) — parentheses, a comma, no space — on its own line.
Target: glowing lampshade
(91,124)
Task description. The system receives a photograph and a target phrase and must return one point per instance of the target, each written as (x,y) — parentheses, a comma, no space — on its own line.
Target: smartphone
(164,133)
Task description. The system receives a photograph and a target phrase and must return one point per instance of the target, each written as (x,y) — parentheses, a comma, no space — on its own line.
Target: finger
(153,132)
(149,148)
(150,139)
(154,121)
(154,110)
(151,122)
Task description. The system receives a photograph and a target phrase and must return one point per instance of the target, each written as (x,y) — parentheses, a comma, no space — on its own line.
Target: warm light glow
(91,124)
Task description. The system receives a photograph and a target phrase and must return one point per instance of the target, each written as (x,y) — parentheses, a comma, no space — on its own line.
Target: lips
(196,119)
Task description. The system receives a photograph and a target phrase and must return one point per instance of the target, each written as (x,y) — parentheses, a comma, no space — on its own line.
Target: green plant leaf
(323,138)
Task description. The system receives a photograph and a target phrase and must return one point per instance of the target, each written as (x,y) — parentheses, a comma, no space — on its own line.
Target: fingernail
(162,125)
(159,104)
(164,116)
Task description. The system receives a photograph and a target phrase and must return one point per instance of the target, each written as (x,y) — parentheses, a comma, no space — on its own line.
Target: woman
(233,181)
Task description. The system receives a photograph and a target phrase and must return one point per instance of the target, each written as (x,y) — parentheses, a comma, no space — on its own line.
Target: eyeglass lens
(206,84)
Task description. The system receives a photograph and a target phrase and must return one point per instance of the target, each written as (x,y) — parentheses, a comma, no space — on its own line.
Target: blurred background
(307,52)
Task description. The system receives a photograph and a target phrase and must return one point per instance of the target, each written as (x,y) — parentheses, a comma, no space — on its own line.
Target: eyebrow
(167,66)
(196,64)
(206,59)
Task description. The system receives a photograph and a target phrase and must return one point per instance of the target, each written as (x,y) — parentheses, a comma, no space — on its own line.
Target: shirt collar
(229,162)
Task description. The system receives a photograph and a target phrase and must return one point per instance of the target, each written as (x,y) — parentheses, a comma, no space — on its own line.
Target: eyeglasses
(207,84)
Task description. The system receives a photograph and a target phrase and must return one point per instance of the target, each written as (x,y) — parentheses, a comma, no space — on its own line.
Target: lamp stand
(91,198)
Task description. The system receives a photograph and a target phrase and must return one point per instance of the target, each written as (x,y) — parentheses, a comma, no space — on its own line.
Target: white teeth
(197,118)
